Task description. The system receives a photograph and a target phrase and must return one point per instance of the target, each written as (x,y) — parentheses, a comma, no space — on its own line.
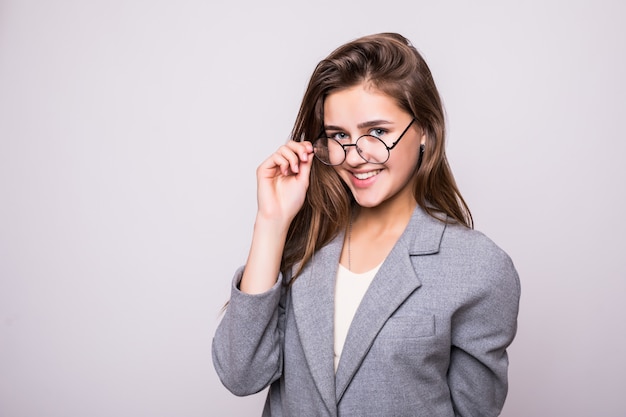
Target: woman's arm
(482,330)
(247,347)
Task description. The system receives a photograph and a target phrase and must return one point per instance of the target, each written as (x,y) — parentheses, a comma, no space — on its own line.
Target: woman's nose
(353,157)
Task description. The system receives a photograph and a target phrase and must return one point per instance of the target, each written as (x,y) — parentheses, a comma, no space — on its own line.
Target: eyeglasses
(370,148)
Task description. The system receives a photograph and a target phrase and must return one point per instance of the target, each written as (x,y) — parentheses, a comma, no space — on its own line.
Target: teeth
(366,175)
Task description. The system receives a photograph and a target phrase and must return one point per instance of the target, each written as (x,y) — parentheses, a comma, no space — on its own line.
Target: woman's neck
(372,233)
(385,217)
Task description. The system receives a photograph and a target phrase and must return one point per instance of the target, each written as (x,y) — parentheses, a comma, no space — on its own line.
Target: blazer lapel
(395,281)
(313,306)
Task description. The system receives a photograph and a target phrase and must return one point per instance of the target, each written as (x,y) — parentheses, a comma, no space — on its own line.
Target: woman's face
(363,110)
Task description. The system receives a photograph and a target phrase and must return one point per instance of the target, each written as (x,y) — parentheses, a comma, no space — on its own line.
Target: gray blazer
(428,339)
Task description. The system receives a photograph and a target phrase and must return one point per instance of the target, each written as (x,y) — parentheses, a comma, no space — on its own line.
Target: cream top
(349,291)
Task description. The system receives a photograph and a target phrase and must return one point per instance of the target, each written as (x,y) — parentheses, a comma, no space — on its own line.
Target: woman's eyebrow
(373,123)
(370,123)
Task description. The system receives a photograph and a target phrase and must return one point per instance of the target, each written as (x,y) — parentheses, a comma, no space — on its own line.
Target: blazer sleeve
(247,345)
(482,329)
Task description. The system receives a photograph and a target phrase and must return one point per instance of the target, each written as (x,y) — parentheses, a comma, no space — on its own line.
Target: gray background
(130,132)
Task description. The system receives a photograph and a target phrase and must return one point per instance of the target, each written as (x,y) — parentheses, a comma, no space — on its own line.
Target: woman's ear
(421,156)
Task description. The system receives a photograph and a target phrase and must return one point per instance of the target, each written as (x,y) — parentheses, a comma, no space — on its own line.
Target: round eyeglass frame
(358,150)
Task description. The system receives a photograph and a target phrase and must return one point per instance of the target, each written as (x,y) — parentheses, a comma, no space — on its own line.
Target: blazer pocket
(408,327)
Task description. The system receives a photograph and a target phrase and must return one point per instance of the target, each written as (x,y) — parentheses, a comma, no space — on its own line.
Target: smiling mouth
(365,175)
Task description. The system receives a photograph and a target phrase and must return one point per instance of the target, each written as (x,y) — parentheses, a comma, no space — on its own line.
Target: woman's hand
(282,181)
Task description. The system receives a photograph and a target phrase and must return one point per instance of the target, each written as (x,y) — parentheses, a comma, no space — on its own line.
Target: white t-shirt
(349,291)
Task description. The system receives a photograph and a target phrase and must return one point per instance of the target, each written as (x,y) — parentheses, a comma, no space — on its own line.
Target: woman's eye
(377,132)
(339,136)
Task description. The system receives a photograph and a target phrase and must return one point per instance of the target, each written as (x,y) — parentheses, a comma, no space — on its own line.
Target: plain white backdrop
(130,131)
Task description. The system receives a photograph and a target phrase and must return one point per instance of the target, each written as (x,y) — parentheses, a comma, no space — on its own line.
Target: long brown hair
(391,64)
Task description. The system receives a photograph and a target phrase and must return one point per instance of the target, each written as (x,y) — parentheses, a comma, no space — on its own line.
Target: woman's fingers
(296,152)
(289,156)
(288,160)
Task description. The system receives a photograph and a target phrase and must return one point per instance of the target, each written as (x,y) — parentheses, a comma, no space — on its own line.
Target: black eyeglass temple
(393,145)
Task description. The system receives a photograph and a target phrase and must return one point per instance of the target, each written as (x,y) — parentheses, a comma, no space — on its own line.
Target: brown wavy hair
(388,62)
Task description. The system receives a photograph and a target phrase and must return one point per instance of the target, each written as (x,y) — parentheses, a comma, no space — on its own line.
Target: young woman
(366,291)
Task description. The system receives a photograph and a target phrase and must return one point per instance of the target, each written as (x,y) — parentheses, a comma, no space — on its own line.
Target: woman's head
(388,63)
